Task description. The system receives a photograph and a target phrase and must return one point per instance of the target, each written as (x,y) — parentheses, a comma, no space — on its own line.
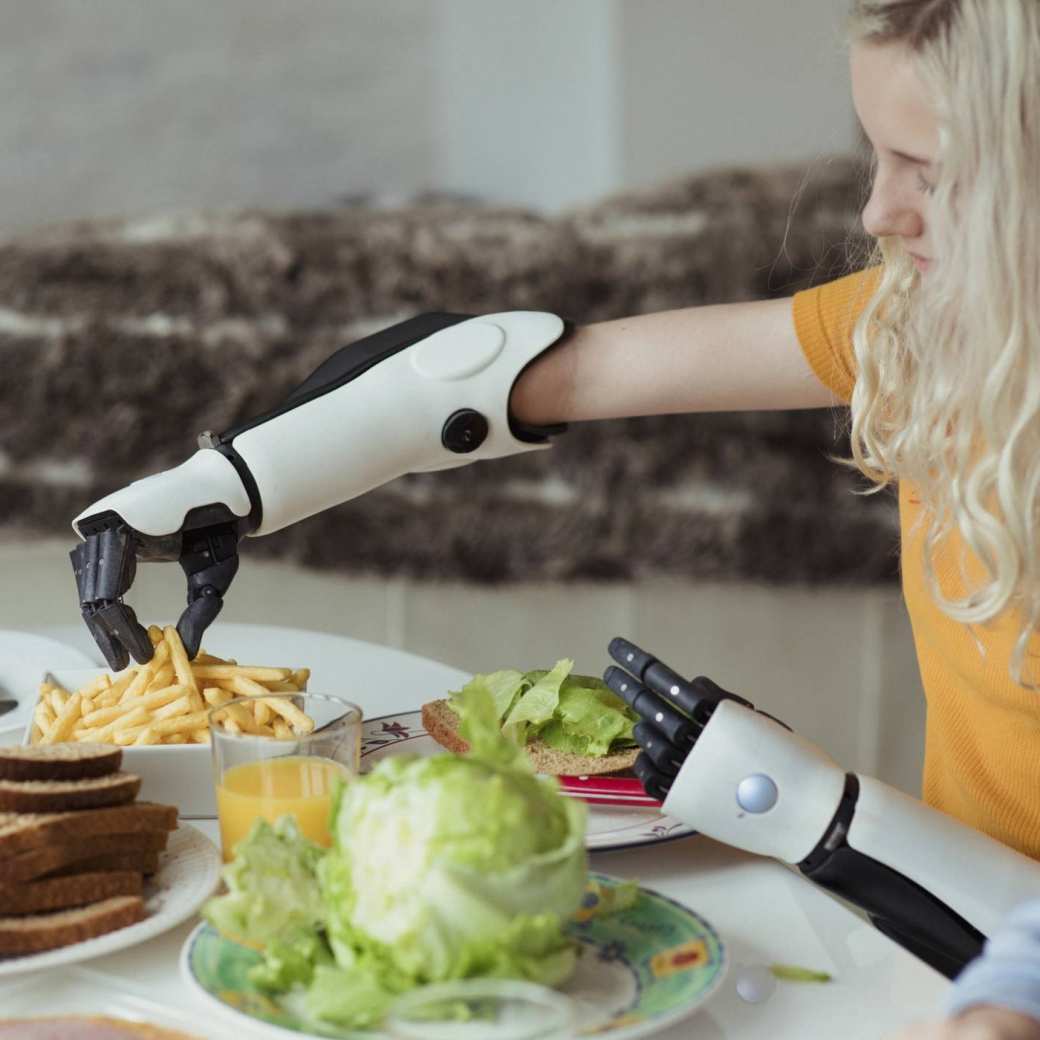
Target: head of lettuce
(449,867)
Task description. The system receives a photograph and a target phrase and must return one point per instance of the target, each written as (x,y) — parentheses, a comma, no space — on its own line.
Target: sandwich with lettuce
(568,725)
(446,867)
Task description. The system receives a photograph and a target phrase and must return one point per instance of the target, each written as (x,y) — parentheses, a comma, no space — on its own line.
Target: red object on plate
(608,790)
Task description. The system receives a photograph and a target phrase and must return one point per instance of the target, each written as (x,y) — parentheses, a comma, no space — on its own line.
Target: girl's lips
(921,263)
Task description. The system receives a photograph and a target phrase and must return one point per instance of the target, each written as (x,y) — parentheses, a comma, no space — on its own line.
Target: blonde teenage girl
(936,348)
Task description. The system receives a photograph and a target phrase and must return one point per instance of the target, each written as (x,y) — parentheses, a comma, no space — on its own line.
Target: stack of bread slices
(75,846)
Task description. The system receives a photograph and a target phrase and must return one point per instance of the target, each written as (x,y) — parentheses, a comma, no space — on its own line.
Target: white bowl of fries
(159,714)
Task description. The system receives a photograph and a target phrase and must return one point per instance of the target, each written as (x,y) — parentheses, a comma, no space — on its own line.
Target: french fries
(168,700)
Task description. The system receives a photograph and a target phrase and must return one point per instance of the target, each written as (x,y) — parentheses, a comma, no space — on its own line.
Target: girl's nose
(889,213)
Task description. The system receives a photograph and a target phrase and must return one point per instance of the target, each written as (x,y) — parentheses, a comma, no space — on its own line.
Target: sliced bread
(60,893)
(140,861)
(37,862)
(22,831)
(42,796)
(59,761)
(39,932)
(441,722)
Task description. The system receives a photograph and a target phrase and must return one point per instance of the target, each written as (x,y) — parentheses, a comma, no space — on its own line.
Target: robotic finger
(668,723)
(658,762)
(698,697)
(664,755)
(209,559)
(105,565)
(655,782)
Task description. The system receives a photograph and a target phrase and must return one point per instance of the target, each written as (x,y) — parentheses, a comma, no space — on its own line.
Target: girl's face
(900,123)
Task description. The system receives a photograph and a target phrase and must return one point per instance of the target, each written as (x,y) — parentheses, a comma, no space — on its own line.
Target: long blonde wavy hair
(947,395)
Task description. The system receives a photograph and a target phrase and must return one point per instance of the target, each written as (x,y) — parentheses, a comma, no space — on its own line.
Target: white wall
(116,106)
(128,106)
(550,103)
(528,100)
(712,82)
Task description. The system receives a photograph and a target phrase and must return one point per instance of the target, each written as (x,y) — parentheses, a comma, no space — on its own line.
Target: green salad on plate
(441,868)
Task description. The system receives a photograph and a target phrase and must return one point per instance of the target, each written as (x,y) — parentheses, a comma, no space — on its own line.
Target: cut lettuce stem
(793,973)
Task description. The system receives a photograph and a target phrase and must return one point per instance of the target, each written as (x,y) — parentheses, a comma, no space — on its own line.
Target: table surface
(764,911)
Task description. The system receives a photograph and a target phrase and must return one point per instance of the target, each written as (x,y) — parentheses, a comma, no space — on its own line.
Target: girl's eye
(923,185)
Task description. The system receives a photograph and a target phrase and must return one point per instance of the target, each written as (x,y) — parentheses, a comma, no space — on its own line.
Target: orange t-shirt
(982,743)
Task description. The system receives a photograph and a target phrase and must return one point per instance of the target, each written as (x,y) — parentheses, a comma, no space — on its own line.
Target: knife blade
(6,706)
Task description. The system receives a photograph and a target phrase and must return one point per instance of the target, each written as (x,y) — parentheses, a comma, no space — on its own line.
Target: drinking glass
(261,777)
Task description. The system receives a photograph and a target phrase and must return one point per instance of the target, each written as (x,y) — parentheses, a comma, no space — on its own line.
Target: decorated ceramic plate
(609,828)
(189,871)
(640,970)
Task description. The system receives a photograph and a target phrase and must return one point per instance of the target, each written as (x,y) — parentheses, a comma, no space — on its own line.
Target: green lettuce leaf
(588,721)
(504,688)
(291,959)
(538,704)
(355,999)
(449,867)
(272,886)
(481,729)
(573,713)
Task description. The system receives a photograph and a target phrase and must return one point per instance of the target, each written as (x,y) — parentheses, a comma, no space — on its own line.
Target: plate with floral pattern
(640,970)
(609,828)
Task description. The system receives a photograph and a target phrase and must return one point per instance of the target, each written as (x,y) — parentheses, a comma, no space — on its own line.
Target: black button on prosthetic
(464,431)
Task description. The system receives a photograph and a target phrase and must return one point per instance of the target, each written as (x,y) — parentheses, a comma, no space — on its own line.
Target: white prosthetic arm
(931,883)
(427,394)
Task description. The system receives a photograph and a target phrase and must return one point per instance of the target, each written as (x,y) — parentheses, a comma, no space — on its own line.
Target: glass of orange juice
(268,777)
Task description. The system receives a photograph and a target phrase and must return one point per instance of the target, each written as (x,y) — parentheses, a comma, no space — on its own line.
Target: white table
(764,911)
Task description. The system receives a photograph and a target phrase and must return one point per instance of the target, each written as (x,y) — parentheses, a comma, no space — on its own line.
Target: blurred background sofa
(127,338)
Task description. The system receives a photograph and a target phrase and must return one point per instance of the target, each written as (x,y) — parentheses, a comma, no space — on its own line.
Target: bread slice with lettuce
(569,725)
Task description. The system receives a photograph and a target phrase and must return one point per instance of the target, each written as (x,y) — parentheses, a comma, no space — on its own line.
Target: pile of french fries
(168,700)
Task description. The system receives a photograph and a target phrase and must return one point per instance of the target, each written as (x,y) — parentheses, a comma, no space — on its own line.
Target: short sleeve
(824,318)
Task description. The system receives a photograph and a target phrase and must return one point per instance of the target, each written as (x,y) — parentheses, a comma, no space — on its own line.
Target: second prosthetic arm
(427,394)
(931,883)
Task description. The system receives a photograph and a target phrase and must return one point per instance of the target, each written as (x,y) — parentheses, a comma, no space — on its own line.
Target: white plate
(24,657)
(189,871)
(610,829)
(83,991)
